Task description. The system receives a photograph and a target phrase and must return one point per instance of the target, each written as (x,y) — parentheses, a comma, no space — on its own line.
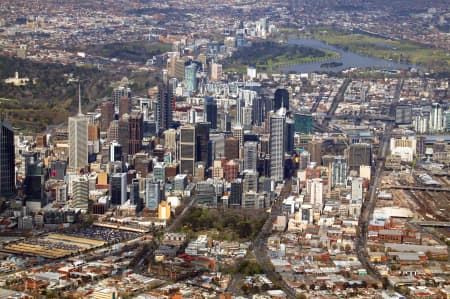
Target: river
(348,60)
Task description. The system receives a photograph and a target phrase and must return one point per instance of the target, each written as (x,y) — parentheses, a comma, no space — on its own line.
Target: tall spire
(79,100)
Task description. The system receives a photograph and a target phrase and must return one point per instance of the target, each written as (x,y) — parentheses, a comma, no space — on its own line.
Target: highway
(260,244)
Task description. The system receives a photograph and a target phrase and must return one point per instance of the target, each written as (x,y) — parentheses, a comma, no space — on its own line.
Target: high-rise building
(235,199)
(201,143)
(7,160)
(115,152)
(190,77)
(357,188)
(107,112)
(303,123)
(316,191)
(80,193)
(210,112)
(277,144)
(152,194)
(124,106)
(315,149)
(118,189)
(250,155)
(403,114)
(78,139)
(187,149)
(231,170)
(216,71)
(123,134)
(338,172)
(231,150)
(359,154)
(136,133)
(281,99)
(436,118)
(170,139)
(164,106)
(118,93)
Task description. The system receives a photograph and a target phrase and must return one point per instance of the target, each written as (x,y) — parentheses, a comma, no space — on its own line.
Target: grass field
(397,50)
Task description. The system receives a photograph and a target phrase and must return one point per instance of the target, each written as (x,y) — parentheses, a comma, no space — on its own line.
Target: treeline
(231,224)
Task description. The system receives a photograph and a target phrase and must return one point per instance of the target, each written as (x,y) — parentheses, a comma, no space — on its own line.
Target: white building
(404,147)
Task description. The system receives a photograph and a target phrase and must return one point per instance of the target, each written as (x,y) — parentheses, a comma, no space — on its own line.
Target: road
(369,206)
(260,248)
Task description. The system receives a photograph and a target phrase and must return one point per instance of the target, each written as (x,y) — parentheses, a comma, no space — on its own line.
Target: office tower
(164,106)
(180,65)
(7,160)
(211,153)
(170,139)
(152,194)
(303,123)
(359,154)
(247,120)
(250,155)
(124,106)
(58,169)
(135,198)
(159,172)
(250,181)
(216,71)
(78,139)
(205,194)
(219,144)
(403,114)
(118,93)
(315,149)
(107,112)
(235,199)
(281,99)
(289,141)
(123,135)
(113,131)
(210,112)
(136,134)
(258,111)
(357,188)
(187,149)
(305,159)
(277,144)
(316,191)
(447,120)
(231,170)
(80,193)
(115,152)
(201,144)
(338,172)
(190,77)
(231,148)
(118,189)
(436,118)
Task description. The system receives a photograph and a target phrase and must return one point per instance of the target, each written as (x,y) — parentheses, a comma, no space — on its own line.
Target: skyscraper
(78,138)
(80,193)
(436,118)
(187,149)
(107,111)
(118,189)
(152,194)
(136,132)
(210,112)
(202,138)
(164,106)
(7,156)
(119,93)
(190,77)
(338,172)
(303,123)
(277,144)
(359,154)
(250,155)
(281,99)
